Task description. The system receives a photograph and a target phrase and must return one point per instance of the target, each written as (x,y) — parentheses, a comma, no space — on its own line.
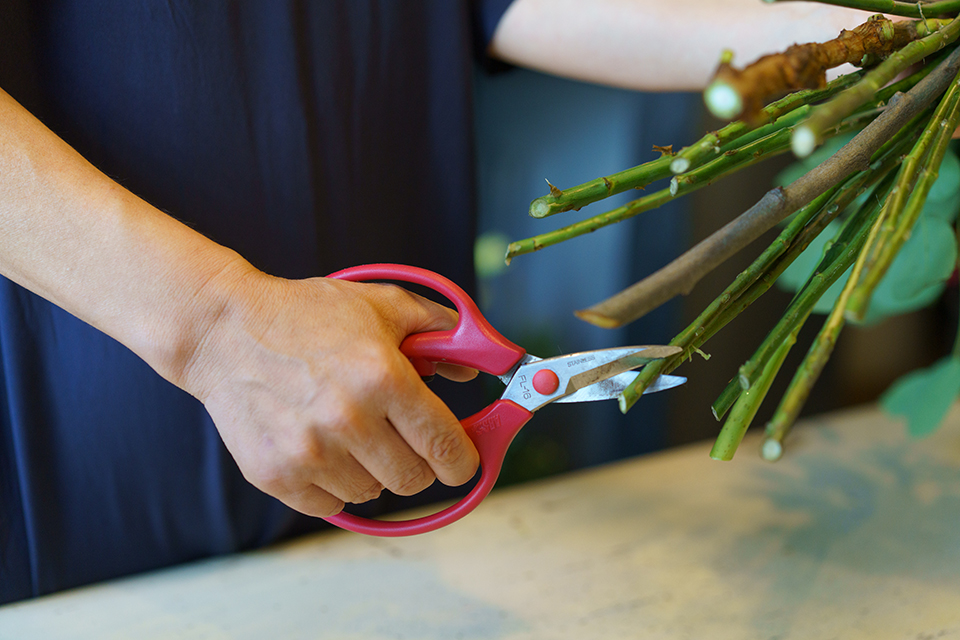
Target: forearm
(80,240)
(654,45)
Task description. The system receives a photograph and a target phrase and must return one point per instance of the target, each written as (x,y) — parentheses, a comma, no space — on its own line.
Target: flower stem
(760,275)
(708,147)
(820,351)
(731,435)
(683,273)
(917,175)
(710,144)
(837,258)
(895,7)
(728,163)
(807,136)
(845,251)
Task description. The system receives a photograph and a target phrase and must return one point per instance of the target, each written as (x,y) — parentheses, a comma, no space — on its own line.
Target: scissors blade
(596,366)
(576,371)
(611,388)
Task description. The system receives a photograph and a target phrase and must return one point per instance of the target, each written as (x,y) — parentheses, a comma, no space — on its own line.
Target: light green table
(855,534)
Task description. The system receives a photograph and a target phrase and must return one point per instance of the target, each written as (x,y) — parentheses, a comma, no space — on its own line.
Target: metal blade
(576,371)
(611,388)
(617,361)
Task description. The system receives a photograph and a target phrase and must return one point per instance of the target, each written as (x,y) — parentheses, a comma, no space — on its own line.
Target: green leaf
(943,201)
(948,179)
(924,396)
(797,274)
(920,271)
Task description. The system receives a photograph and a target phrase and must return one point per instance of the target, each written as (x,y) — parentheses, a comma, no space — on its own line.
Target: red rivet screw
(546,382)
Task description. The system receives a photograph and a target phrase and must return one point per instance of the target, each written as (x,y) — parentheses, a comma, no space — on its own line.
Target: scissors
(531,383)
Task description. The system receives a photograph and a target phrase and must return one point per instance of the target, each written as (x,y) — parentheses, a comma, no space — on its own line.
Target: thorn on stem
(556,193)
(664,151)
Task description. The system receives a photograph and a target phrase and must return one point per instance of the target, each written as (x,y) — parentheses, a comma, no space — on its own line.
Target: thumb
(425,315)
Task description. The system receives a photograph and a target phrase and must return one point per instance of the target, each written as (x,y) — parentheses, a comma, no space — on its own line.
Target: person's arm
(655,45)
(303,378)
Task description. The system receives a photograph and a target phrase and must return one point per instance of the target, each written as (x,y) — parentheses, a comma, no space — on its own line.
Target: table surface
(854,534)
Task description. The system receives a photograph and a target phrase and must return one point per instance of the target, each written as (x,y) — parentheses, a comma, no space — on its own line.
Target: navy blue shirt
(308,136)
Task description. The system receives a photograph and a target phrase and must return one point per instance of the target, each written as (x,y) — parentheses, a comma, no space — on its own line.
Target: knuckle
(383,378)
(371,492)
(332,509)
(447,447)
(335,423)
(396,294)
(381,373)
(339,428)
(270,479)
(307,450)
(412,480)
(313,501)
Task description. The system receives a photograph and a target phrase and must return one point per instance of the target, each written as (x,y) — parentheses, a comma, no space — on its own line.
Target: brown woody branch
(742,93)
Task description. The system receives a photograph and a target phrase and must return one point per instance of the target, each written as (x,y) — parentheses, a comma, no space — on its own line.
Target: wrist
(178,340)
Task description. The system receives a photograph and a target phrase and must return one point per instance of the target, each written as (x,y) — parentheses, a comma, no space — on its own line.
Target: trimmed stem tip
(803,141)
(771,450)
(723,100)
(679,165)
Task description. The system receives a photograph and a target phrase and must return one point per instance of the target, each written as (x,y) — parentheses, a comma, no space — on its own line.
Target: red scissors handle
(472,343)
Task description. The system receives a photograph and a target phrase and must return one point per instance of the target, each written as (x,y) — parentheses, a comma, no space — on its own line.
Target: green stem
(812,366)
(709,321)
(684,272)
(750,284)
(574,198)
(810,134)
(901,212)
(754,281)
(706,324)
(727,398)
(710,145)
(731,435)
(895,7)
(837,258)
(728,163)
(734,159)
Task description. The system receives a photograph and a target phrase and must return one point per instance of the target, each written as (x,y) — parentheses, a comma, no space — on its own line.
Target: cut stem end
(723,100)
(803,141)
(771,450)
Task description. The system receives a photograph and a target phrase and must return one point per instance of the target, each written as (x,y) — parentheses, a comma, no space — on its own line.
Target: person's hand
(313,398)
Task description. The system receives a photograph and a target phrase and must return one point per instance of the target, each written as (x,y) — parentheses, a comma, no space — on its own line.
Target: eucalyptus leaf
(924,396)
(948,179)
(920,271)
(943,201)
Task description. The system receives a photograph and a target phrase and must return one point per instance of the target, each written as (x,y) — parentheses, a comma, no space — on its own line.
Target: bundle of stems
(904,128)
